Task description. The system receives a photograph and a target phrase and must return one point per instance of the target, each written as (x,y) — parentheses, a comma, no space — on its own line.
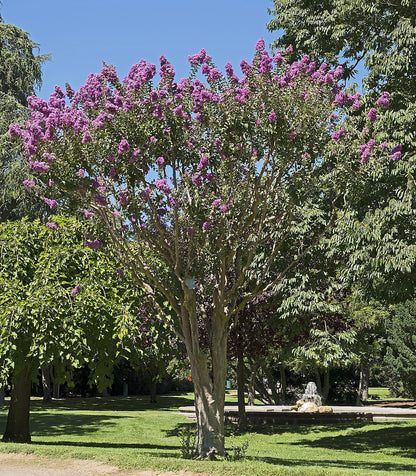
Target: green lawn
(130,433)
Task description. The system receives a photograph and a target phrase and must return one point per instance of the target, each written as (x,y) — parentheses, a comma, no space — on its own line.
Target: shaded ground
(12,464)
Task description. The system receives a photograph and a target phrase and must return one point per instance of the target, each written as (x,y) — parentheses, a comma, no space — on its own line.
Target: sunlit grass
(132,433)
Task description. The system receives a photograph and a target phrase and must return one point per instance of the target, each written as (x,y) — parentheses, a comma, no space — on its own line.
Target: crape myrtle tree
(212,176)
(59,306)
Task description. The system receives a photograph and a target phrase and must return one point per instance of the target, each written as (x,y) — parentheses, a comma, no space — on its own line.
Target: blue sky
(80,34)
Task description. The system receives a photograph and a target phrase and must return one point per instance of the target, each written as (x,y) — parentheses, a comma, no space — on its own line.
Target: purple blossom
(383,145)
(292,135)
(14,130)
(272,116)
(39,166)
(278,58)
(49,157)
(123,146)
(197,179)
(134,156)
(101,200)
(260,45)
(205,226)
(204,162)
(86,138)
(123,200)
(29,183)
(52,203)
(338,134)
(88,214)
(199,58)
(75,291)
(372,115)
(214,74)
(173,203)
(160,161)
(383,101)
(93,245)
(162,184)
(52,225)
(338,72)
(112,172)
(396,152)
(215,203)
(146,194)
(81,172)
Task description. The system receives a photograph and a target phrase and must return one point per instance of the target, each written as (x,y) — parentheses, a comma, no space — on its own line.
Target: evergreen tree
(20,77)
(401,345)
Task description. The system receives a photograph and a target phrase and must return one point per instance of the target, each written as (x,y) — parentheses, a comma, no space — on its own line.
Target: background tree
(20,77)
(208,176)
(58,306)
(377,237)
(401,347)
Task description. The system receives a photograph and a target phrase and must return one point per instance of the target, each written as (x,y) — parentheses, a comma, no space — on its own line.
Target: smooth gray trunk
(209,387)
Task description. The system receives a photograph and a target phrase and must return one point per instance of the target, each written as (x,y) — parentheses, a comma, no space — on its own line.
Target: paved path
(12,464)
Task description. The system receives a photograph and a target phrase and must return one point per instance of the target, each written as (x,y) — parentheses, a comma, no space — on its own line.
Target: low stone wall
(296,418)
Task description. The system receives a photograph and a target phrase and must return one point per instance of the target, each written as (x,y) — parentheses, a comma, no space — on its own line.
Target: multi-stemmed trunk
(17,426)
(209,385)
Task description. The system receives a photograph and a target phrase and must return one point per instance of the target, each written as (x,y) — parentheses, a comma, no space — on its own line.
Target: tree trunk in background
(283,383)
(325,390)
(153,390)
(362,393)
(318,381)
(365,380)
(46,383)
(55,384)
(2,395)
(252,384)
(17,426)
(272,385)
(242,416)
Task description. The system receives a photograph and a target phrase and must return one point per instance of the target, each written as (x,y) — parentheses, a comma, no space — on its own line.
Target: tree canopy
(230,182)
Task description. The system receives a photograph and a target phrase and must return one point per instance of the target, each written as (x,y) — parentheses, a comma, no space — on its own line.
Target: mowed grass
(131,433)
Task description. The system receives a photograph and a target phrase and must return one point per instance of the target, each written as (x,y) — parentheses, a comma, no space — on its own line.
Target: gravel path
(13,464)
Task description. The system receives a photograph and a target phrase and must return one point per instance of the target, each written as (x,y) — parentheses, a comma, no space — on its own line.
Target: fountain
(311,401)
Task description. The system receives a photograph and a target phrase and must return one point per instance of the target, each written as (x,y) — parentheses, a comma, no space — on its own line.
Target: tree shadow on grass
(387,466)
(132,403)
(58,424)
(103,444)
(400,439)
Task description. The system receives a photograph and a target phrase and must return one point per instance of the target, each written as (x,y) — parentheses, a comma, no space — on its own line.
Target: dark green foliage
(20,76)
(376,237)
(401,346)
